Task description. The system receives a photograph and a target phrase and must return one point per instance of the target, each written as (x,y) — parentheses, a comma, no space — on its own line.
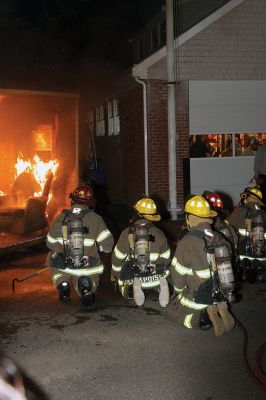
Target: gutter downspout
(145,121)
(171,106)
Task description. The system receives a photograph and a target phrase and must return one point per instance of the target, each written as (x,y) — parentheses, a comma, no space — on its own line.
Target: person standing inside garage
(260,170)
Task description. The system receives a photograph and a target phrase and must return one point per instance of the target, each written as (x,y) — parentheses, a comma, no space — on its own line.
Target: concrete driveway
(120,351)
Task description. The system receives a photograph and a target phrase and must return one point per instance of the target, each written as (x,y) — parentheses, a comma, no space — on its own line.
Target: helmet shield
(83,195)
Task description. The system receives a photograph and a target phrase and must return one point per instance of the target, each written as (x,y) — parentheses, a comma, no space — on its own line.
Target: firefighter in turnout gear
(201,272)
(75,239)
(141,256)
(249,221)
(220,224)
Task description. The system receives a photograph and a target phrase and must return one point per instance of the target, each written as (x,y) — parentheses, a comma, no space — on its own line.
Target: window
(225,144)
(110,118)
(113,117)
(90,120)
(100,122)
(42,138)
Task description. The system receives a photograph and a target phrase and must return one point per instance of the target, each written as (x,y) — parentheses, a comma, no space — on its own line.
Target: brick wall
(132,142)
(158,139)
(122,156)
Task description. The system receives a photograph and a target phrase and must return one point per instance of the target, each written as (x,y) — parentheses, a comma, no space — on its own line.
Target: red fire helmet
(214,199)
(83,195)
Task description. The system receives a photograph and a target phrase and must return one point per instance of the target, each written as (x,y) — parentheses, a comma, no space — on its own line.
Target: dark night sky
(55,42)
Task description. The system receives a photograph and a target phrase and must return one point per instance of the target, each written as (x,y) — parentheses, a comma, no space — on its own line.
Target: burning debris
(24,210)
(31,177)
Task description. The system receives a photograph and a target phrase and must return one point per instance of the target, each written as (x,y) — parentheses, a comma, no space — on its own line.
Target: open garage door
(228,115)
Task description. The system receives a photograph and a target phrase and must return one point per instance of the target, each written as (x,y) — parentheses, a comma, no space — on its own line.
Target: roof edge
(141,70)
(39,92)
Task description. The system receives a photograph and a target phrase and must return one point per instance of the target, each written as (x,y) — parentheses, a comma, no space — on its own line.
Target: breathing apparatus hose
(256,372)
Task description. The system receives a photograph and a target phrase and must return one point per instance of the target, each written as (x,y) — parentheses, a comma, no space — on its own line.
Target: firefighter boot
(138,293)
(64,292)
(87,297)
(205,322)
(164,295)
(218,324)
(227,318)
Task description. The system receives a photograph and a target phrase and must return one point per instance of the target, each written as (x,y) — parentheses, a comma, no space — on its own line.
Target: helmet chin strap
(187,222)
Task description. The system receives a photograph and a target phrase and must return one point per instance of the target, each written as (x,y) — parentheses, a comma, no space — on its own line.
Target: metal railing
(187,13)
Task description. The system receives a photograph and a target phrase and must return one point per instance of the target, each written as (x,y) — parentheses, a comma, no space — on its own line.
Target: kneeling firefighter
(249,220)
(220,224)
(141,256)
(201,272)
(75,239)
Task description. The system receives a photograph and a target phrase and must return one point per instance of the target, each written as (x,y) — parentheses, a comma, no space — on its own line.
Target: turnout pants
(59,276)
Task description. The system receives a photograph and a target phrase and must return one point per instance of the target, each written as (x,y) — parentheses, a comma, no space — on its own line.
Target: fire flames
(38,168)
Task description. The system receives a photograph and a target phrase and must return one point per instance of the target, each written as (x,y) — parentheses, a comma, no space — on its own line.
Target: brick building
(221,92)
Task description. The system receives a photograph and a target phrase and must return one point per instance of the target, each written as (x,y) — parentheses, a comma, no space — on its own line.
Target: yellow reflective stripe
(243,232)
(103,235)
(125,283)
(123,290)
(52,239)
(154,256)
(143,284)
(166,273)
(252,258)
(55,277)
(116,269)
(119,254)
(191,304)
(83,272)
(180,268)
(89,242)
(166,254)
(150,284)
(187,321)
(179,290)
(204,273)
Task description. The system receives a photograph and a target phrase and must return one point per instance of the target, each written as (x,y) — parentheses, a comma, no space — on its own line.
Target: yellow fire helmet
(253,192)
(198,206)
(147,209)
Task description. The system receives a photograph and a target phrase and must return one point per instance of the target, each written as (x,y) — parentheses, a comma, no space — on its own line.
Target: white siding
(227,175)
(227,106)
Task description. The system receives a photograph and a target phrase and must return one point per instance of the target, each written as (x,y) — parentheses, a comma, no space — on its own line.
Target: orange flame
(2,193)
(38,167)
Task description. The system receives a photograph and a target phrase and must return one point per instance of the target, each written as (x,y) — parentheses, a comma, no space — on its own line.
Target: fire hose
(256,371)
(27,277)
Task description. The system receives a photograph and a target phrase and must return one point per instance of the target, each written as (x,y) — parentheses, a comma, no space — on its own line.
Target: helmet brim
(151,217)
(211,214)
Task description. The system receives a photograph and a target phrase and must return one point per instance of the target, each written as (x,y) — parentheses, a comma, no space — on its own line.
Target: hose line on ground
(256,372)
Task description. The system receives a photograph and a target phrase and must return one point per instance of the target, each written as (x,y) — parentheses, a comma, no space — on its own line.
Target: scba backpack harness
(73,235)
(220,286)
(140,263)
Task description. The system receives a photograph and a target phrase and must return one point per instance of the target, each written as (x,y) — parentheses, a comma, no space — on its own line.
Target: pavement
(117,350)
